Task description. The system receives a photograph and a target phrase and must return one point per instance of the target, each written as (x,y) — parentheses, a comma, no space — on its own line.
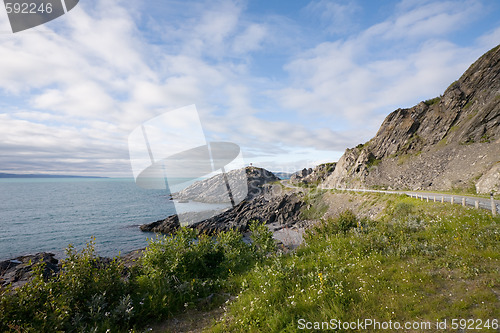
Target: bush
(432,101)
(346,221)
(88,294)
(98,294)
(262,239)
(238,255)
(179,271)
(333,226)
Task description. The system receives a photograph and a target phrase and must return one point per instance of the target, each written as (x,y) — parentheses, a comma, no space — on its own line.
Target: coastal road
(478,202)
(484,203)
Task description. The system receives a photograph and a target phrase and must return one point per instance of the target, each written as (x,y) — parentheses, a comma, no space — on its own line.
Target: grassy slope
(419,261)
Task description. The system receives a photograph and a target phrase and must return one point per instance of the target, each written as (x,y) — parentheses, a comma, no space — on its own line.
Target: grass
(418,261)
(432,101)
(314,207)
(467,191)
(373,162)
(421,261)
(485,138)
(469,104)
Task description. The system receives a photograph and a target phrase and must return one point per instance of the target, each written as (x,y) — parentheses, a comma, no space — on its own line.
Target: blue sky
(294,83)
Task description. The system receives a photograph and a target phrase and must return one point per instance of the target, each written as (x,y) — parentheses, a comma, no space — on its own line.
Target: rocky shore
(264,201)
(282,209)
(18,271)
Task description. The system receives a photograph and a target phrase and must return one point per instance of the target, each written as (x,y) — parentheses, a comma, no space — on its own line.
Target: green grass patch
(452,84)
(420,261)
(469,103)
(314,207)
(432,101)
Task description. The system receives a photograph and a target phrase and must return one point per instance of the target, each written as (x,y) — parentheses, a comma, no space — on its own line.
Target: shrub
(88,294)
(179,271)
(346,221)
(262,239)
(432,101)
(238,255)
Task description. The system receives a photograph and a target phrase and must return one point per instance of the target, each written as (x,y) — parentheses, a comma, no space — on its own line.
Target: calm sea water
(48,214)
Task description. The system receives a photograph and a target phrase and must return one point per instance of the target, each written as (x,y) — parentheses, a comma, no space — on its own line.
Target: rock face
(18,271)
(452,141)
(313,176)
(264,202)
(282,209)
(300,175)
(490,181)
(245,184)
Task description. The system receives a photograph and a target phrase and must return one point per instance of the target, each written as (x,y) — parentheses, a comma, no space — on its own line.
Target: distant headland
(13,175)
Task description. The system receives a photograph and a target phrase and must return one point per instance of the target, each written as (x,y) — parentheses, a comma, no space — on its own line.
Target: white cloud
(337,16)
(357,80)
(250,39)
(79,86)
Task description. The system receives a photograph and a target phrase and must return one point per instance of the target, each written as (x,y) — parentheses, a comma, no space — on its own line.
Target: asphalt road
(484,203)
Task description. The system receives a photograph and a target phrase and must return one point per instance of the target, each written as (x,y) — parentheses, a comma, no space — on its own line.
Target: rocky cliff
(449,142)
(264,202)
(282,209)
(245,184)
(313,176)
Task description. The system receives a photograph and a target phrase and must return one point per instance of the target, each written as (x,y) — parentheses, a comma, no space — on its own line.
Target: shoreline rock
(18,271)
(282,209)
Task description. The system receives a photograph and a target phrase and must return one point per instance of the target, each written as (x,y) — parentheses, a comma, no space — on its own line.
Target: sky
(293,83)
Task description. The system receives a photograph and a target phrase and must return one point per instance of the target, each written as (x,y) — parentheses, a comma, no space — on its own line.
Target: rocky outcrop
(245,184)
(452,141)
(264,202)
(282,209)
(313,176)
(299,176)
(16,272)
(490,181)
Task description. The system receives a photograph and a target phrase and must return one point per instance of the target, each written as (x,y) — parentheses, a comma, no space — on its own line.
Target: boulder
(16,272)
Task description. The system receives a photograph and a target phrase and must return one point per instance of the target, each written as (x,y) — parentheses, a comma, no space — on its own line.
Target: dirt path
(191,321)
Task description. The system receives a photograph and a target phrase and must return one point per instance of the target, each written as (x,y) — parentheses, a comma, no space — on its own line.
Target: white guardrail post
(493,206)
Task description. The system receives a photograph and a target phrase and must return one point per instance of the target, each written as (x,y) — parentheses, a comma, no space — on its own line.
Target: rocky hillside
(264,202)
(313,176)
(244,183)
(449,142)
(281,209)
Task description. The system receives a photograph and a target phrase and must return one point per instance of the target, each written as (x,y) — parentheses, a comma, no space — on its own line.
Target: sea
(48,214)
